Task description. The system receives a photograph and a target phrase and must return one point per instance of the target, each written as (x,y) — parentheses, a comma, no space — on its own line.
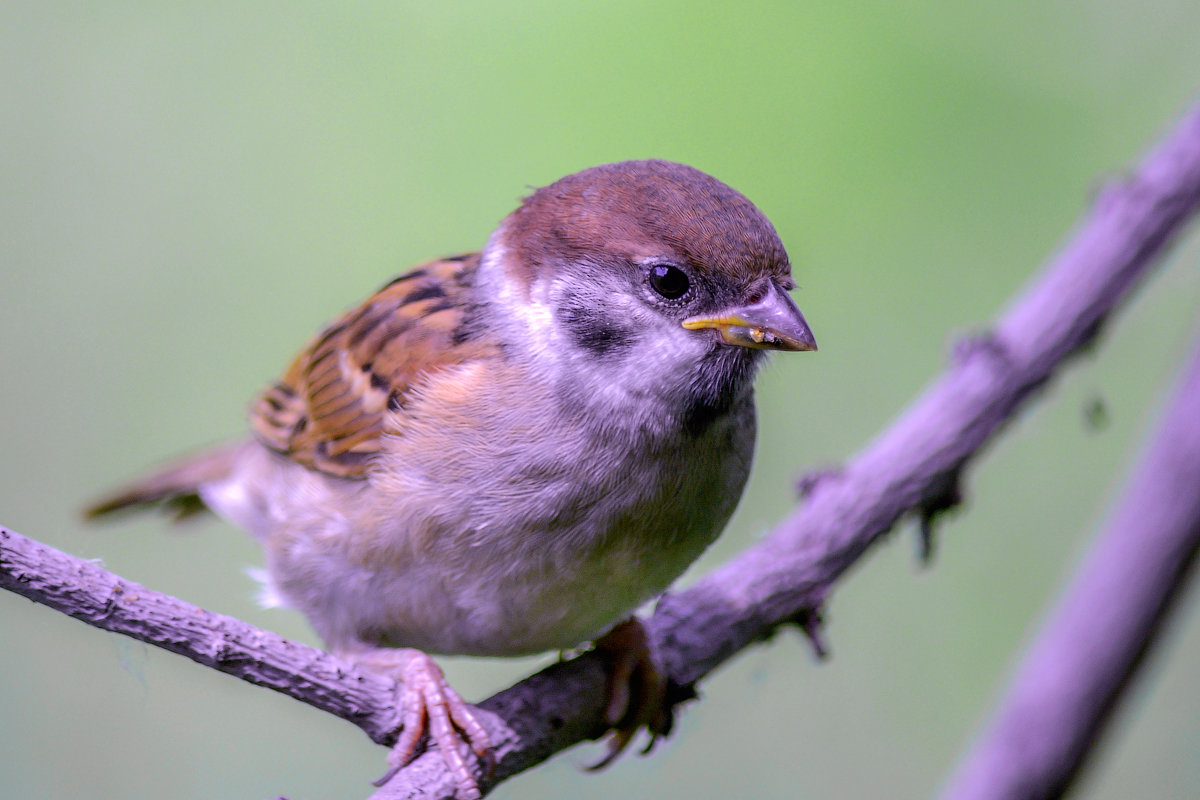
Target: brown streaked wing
(329,409)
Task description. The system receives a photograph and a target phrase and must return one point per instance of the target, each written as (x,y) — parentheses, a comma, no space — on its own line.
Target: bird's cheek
(597,332)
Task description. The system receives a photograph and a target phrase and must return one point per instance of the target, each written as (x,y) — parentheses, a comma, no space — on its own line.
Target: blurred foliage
(189,190)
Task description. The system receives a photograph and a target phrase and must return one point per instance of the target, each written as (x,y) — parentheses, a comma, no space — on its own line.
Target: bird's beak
(771,323)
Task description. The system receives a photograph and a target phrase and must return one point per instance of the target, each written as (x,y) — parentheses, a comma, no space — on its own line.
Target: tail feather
(175,488)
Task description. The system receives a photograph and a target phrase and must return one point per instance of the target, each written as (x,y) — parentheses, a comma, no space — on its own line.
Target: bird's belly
(526,555)
(491,589)
(523,611)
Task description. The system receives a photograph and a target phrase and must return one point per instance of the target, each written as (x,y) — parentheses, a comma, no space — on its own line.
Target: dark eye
(671,282)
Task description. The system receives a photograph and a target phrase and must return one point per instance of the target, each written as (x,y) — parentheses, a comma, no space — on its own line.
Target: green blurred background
(188,193)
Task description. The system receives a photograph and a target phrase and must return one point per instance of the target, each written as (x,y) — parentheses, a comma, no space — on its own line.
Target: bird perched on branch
(508,452)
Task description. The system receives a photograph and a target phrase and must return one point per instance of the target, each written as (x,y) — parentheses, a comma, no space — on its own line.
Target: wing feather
(329,411)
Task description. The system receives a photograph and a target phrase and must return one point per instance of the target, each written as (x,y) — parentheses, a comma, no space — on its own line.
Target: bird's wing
(329,410)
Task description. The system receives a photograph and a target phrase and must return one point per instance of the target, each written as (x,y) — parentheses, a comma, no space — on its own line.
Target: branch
(1107,620)
(88,592)
(915,466)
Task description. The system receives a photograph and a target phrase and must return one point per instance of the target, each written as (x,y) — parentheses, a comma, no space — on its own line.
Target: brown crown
(634,210)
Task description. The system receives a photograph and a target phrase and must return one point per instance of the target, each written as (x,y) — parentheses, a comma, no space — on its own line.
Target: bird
(509,451)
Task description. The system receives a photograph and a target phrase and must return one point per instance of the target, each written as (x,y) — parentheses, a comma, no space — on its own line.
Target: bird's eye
(670,282)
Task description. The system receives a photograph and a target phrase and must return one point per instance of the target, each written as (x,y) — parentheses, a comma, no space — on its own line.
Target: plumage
(330,409)
(509,451)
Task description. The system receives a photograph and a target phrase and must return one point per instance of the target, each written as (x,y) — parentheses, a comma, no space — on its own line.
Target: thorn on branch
(677,694)
(812,621)
(1090,337)
(948,497)
(984,343)
(926,541)
(807,483)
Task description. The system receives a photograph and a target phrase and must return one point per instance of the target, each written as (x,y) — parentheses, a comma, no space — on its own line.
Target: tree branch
(1071,678)
(88,592)
(914,466)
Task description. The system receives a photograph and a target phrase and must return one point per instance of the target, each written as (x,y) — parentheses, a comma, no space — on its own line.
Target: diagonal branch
(1071,678)
(914,466)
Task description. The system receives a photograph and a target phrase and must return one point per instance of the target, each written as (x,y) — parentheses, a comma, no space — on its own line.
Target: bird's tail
(175,488)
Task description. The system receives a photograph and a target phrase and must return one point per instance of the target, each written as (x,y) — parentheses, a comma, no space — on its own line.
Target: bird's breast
(545,527)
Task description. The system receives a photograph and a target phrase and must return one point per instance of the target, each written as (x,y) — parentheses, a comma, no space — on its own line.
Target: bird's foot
(430,707)
(636,691)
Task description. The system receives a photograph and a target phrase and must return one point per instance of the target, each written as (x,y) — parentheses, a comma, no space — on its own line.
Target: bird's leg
(636,692)
(430,706)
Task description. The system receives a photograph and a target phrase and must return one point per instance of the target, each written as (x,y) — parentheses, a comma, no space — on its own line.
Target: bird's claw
(433,710)
(636,695)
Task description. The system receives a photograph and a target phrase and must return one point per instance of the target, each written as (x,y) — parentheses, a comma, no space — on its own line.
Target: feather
(330,410)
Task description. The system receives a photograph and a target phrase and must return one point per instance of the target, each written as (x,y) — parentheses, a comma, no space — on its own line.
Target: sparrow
(507,452)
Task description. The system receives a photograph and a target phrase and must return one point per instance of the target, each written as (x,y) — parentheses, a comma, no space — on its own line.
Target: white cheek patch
(538,313)
(658,359)
(654,361)
(513,309)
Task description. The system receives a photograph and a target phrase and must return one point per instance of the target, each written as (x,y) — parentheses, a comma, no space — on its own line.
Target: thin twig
(1109,617)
